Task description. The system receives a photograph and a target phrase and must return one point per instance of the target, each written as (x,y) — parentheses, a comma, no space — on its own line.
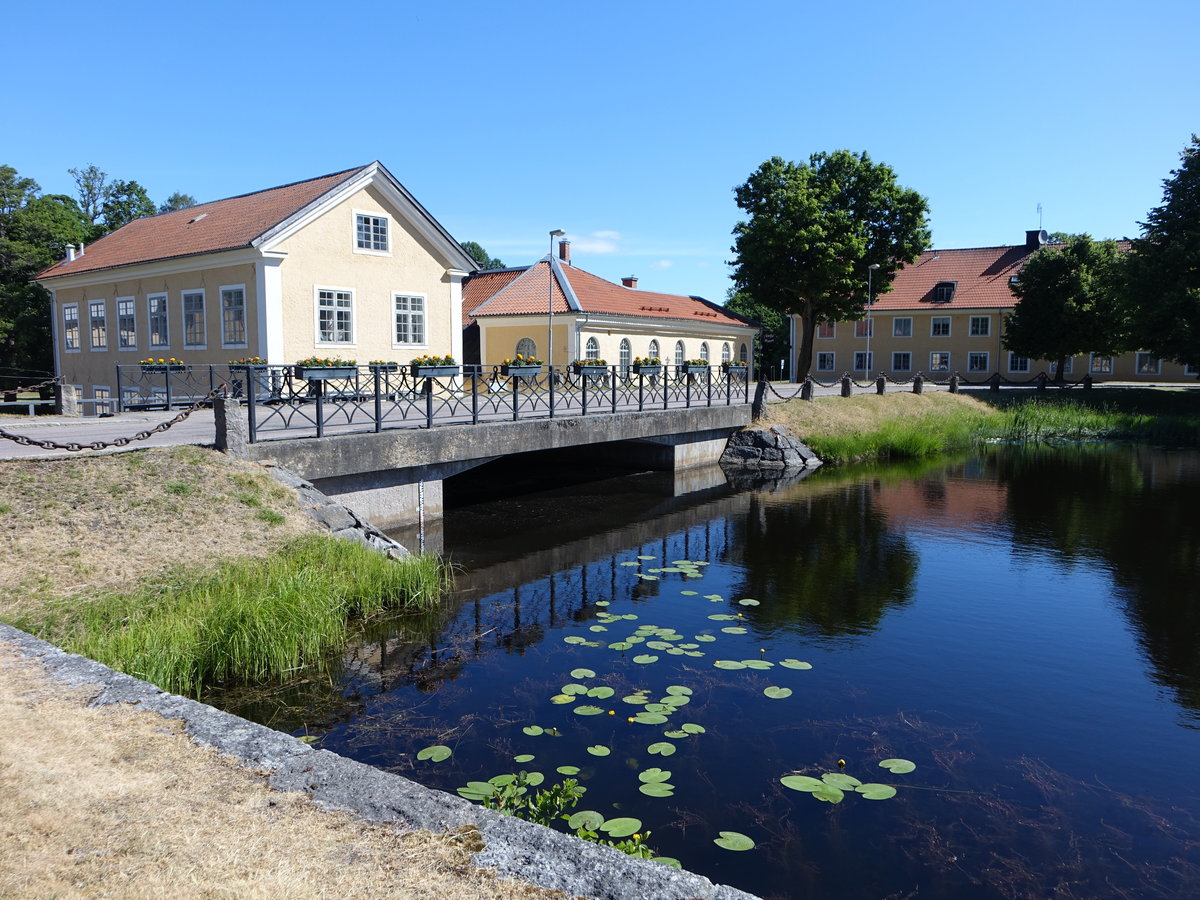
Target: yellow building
(945,315)
(347,265)
(512,309)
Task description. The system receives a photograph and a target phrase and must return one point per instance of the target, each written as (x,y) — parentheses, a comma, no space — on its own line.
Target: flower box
(435,371)
(648,369)
(383,367)
(325,373)
(180,367)
(589,371)
(520,371)
(695,370)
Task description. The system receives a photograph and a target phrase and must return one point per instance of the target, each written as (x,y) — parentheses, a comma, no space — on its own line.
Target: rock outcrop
(767,448)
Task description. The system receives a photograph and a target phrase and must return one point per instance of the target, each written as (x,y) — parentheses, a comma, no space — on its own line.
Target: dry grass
(83,525)
(115,802)
(838,416)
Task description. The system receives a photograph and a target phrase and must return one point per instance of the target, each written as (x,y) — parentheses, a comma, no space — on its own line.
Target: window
(981,326)
(939,361)
(371,233)
(902,326)
(593,349)
(626,359)
(126,324)
(652,350)
(409,311)
(1068,366)
(902,362)
(864,328)
(526,348)
(1148,364)
(679,353)
(939,326)
(1017,363)
(744,354)
(825,361)
(1191,370)
(193,319)
(156,306)
(103,397)
(1100,365)
(335,316)
(233,316)
(71,327)
(704,351)
(726,355)
(98,325)
(826,330)
(862,360)
(943,292)
(978,361)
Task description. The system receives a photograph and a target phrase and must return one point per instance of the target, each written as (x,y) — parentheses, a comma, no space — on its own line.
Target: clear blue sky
(625,123)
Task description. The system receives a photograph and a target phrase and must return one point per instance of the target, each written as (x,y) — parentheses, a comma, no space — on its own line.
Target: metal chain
(220,390)
(32,387)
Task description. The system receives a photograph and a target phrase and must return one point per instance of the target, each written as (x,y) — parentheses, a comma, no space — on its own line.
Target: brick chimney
(630,281)
(1035,239)
(564,251)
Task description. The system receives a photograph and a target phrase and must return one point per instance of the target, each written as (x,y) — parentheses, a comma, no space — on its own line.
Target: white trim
(166,320)
(949,326)
(193,262)
(117,306)
(867,356)
(78,348)
(946,367)
(415,345)
(909,320)
(183,318)
(896,368)
(317,342)
(104,348)
(54,339)
(1092,357)
(370,214)
(1012,356)
(971,326)
(1137,363)
(269,308)
(832,354)
(456,277)
(245,343)
(987,361)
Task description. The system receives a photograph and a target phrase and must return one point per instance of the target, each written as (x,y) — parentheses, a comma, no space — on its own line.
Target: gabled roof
(528,292)
(243,222)
(979,276)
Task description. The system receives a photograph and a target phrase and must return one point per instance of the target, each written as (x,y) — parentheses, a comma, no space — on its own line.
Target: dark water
(1024,626)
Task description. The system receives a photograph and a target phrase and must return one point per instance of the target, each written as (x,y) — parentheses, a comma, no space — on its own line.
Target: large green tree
(1163,272)
(773,343)
(125,201)
(482,258)
(177,201)
(1068,303)
(34,233)
(814,228)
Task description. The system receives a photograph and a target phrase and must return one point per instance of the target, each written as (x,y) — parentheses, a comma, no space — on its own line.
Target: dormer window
(371,233)
(1013,279)
(944,292)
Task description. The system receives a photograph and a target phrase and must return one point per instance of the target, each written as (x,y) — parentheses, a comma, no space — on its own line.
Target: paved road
(196,429)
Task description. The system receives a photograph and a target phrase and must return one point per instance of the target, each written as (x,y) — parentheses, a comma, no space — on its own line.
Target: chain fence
(220,391)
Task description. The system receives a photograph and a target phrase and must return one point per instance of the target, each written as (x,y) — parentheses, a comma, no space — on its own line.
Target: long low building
(945,314)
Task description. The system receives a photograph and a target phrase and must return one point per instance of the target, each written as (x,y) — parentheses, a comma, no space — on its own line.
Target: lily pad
(658,790)
(533,779)
(645,718)
(662,748)
(636,699)
(729,664)
(775,693)
(829,794)
(659,645)
(874,791)
(713,597)
(676,700)
(667,861)
(734,629)
(898,766)
(645,557)
(601,693)
(678,690)
(794,664)
(758,664)
(645,659)
(647,577)
(598,750)
(436,753)
(692,728)
(586,818)
(619,828)
(734,840)
(567,770)
(524,758)
(660,707)
(588,711)
(802,783)
(573,688)
(574,639)
(841,780)
(675,735)
(746,601)
(620,645)
(654,773)
(563,698)
(634,639)
(533,730)
(689,593)
(597,628)
(722,617)
(477,790)
(706,638)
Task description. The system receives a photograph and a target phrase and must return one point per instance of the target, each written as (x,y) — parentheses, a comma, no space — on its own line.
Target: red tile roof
(528,294)
(206,228)
(482,285)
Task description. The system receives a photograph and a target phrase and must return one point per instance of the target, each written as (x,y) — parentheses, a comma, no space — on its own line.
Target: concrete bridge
(394,477)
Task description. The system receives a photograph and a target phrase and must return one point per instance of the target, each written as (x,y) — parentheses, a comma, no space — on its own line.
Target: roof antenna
(1039,217)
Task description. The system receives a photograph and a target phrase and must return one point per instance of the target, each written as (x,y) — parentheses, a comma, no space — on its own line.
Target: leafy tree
(125,201)
(14,190)
(1068,303)
(177,201)
(815,227)
(92,185)
(481,256)
(773,342)
(1163,284)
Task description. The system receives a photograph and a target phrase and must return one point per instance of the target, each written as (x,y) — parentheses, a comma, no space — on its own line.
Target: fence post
(760,399)
(66,400)
(845,385)
(954,383)
(613,376)
(428,402)
(476,375)
(918,384)
(551,376)
(806,391)
(516,395)
(120,394)
(231,435)
(1041,381)
(378,403)
(1087,382)
(994,383)
(880,383)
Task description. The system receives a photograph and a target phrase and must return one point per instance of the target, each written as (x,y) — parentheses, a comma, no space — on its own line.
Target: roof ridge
(277,187)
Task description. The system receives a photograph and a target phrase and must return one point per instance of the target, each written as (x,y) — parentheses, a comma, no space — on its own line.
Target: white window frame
(317,339)
(1145,354)
(103,400)
(131,305)
(864,328)
(896,367)
(703,351)
(899,332)
(652,349)
(933,323)
(151,315)
(225,342)
(821,355)
(680,353)
(1017,364)
(591,349)
(974,355)
(1191,370)
(417,316)
(183,314)
(625,356)
(939,360)
(71,314)
(984,331)
(726,353)
(92,319)
(1095,367)
(744,353)
(829,326)
(861,357)
(387,224)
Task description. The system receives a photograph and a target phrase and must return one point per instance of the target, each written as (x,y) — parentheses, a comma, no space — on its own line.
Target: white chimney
(81,248)
(70,253)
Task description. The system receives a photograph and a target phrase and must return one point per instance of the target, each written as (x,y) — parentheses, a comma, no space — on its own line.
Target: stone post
(232,429)
(918,384)
(954,383)
(1041,381)
(994,383)
(845,385)
(760,400)
(806,392)
(66,400)
(880,383)
(1087,382)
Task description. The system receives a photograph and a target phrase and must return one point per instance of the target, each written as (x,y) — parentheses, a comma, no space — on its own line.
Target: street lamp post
(557,232)
(870,271)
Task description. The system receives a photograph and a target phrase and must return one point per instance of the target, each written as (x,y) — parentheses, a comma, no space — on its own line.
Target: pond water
(1022,625)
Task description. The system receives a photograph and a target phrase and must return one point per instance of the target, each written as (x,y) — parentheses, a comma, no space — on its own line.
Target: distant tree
(1163,272)
(15,190)
(125,201)
(815,227)
(1068,303)
(773,343)
(177,201)
(481,256)
(92,185)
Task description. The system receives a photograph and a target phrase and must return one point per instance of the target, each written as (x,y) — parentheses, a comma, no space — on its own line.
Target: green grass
(249,621)
(909,438)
